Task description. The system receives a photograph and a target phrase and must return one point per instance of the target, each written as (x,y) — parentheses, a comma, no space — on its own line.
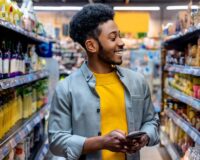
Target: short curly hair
(85,23)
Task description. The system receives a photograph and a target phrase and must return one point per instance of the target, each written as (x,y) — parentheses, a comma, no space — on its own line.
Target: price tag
(29,128)
(13,143)
(26,131)
(1,154)
(5,150)
(17,138)
(22,134)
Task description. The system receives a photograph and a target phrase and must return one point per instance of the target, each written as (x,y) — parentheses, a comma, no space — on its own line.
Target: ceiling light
(138,8)
(180,7)
(58,8)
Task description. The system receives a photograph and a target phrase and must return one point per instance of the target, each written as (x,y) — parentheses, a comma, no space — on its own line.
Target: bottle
(3,13)
(6,59)
(1,65)
(13,62)
(1,116)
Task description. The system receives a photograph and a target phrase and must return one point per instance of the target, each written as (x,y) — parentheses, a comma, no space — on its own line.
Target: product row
(187,84)
(29,147)
(18,59)
(24,17)
(186,112)
(190,56)
(21,103)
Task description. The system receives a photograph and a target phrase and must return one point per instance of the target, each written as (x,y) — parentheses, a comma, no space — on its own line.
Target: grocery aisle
(36,51)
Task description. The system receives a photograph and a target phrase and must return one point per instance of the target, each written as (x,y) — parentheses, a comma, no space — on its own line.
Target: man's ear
(91,45)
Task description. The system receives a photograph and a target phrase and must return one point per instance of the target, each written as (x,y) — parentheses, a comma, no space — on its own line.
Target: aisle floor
(154,153)
(147,153)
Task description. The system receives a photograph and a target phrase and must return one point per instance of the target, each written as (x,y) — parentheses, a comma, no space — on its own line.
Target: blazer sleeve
(61,140)
(150,120)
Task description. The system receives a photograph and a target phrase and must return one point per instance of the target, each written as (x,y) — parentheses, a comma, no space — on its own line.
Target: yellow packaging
(3,13)
(20,107)
(1,122)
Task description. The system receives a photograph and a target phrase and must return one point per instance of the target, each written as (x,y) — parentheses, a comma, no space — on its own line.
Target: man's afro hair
(85,23)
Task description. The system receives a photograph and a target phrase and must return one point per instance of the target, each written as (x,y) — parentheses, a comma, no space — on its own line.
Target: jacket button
(98,110)
(99,133)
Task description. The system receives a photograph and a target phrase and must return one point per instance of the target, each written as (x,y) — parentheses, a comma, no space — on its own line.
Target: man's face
(110,44)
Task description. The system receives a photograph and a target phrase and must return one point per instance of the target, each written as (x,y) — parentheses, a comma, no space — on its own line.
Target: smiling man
(96,106)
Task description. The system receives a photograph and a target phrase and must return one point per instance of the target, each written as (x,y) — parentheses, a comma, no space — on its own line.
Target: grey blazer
(74,114)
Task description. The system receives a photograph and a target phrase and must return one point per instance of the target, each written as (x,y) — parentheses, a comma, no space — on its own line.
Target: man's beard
(104,58)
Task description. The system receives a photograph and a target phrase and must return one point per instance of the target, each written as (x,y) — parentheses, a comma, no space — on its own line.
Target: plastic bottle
(1,65)
(3,13)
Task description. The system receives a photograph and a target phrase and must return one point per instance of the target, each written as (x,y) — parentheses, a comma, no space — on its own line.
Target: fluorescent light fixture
(136,8)
(180,7)
(58,8)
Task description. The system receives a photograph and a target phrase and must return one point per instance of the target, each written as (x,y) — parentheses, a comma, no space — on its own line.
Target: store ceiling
(111,2)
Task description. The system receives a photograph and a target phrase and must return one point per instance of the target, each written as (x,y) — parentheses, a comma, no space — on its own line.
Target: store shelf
(43,150)
(183,69)
(180,41)
(169,146)
(20,80)
(186,126)
(193,102)
(19,131)
(8,28)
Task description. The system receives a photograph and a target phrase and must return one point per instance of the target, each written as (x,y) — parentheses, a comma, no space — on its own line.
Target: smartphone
(135,135)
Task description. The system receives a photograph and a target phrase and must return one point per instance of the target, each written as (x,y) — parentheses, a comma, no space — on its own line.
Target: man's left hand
(136,144)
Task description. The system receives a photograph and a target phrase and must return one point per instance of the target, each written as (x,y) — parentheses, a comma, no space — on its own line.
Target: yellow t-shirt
(113,111)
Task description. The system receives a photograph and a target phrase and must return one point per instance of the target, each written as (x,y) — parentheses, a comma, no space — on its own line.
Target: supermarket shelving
(179,41)
(183,69)
(20,131)
(183,124)
(169,146)
(24,79)
(193,102)
(9,28)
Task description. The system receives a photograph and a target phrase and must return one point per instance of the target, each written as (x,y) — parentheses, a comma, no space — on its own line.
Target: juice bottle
(1,116)
(3,13)
(1,64)
(25,103)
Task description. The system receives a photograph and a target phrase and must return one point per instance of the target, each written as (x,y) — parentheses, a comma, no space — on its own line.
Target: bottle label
(6,66)
(13,65)
(1,66)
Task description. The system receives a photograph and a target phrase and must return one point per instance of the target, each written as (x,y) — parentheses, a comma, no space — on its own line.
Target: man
(96,106)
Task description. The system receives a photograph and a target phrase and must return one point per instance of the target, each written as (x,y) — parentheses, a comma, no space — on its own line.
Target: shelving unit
(183,69)
(24,79)
(178,120)
(20,130)
(23,127)
(195,103)
(178,43)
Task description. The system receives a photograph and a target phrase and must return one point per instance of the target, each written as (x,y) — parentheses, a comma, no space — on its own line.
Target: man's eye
(113,38)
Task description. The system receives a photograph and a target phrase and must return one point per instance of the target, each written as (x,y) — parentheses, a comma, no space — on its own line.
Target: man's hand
(114,141)
(136,144)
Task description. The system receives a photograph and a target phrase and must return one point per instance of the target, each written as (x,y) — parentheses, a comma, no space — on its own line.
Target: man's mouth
(120,52)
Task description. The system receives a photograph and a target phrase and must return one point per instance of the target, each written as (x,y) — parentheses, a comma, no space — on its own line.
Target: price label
(29,128)
(17,138)
(5,150)
(22,134)
(13,143)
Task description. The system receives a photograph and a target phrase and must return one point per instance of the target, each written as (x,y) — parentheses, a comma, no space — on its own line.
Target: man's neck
(99,67)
